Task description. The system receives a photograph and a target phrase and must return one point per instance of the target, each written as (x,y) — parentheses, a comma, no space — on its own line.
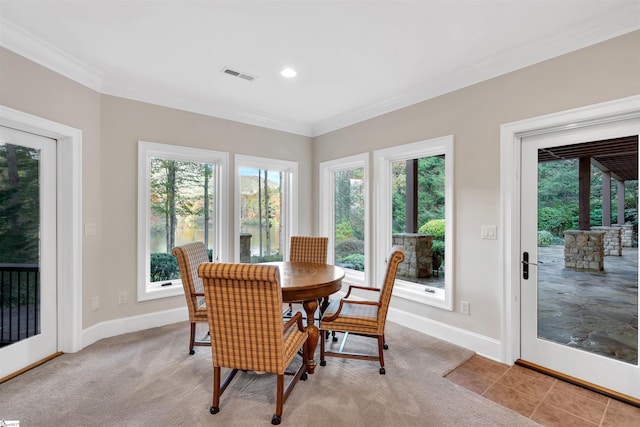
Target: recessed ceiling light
(288,73)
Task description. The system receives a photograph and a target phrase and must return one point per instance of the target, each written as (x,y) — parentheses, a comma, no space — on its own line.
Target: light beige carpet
(147,378)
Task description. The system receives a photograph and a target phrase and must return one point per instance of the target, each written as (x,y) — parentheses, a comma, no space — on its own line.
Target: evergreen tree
(19,204)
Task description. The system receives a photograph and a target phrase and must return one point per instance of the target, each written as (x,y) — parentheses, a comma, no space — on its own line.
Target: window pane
(425,264)
(181,195)
(349,233)
(20,192)
(261,228)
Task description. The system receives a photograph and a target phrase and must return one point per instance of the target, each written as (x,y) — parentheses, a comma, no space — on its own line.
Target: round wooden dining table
(308,283)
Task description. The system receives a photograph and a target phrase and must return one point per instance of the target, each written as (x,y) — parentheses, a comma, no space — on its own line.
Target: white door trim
(510,136)
(69,158)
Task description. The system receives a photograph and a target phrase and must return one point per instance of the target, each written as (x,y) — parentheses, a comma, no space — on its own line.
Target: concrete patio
(592,311)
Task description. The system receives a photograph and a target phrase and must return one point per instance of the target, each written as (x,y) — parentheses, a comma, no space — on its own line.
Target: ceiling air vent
(238,74)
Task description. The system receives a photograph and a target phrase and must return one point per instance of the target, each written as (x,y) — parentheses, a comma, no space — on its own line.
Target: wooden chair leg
(380,355)
(215,405)
(192,339)
(323,335)
(324,303)
(277,417)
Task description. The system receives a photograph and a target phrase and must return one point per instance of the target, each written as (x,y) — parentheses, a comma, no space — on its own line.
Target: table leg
(310,308)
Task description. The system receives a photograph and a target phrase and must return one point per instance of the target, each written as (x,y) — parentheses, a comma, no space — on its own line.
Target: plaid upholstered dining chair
(308,249)
(362,317)
(244,302)
(190,256)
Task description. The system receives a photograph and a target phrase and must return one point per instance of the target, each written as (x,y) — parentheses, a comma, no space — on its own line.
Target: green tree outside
(180,206)
(558,205)
(19,204)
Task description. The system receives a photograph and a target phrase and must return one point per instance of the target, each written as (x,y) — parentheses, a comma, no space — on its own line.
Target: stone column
(418,255)
(245,248)
(612,240)
(626,235)
(584,249)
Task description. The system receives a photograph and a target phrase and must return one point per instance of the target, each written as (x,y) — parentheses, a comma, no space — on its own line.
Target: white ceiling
(355,59)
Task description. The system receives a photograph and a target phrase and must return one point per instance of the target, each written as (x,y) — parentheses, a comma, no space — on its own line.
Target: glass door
(28,306)
(579,277)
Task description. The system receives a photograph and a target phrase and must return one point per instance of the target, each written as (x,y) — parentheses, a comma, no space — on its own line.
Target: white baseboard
(482,345)
(125,325)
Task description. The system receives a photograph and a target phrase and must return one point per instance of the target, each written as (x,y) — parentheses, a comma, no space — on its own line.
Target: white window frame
(289,207)
(328,171)
(383,159)
(220,245)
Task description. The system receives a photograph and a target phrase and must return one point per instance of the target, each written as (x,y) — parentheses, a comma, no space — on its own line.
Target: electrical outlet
(95,303)
(90,229)
(464,307)
(122,297)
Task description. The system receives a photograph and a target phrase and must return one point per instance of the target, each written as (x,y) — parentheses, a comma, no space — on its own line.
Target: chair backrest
(244,304)
(395,257)
(308,249)
(190,256)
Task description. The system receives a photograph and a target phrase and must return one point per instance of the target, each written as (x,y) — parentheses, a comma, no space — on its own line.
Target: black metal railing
(19,302)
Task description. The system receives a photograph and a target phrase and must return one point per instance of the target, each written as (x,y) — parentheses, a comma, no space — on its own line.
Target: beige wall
(111,127)
(33,89)
(124,123)
(473,115)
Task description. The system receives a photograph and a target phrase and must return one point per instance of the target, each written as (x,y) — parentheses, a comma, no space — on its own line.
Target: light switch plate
(489,232)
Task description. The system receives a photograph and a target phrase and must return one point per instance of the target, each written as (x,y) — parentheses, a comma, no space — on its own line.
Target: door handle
(525,265)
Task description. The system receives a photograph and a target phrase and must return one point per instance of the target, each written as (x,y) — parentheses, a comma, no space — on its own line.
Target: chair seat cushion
(358,318)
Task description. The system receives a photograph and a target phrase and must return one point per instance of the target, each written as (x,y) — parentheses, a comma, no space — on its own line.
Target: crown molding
(504,62)
(18,40)
(41,52)
(198,105)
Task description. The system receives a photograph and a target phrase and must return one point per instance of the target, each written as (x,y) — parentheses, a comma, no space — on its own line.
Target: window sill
(157,291)
(417,293)
(354,277)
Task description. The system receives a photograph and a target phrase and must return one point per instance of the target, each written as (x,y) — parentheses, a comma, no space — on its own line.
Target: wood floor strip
(581,383)
(33,365)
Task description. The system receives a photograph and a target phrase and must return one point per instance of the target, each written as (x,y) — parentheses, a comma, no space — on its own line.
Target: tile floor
(543,399)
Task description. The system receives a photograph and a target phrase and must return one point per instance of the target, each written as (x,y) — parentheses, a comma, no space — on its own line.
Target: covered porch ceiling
(619,156)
